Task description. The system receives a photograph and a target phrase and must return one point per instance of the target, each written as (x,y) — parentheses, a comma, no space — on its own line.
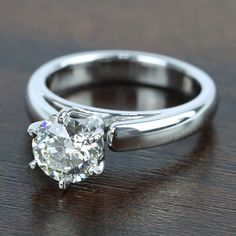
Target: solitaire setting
(68,144)
(68,150)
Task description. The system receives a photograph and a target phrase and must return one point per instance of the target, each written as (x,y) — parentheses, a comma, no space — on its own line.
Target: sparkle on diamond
(65,151)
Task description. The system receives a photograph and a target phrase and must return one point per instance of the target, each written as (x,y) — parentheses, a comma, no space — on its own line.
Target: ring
(68,141)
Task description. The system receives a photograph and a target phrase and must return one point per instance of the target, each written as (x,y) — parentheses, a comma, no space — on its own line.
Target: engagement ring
(69,138)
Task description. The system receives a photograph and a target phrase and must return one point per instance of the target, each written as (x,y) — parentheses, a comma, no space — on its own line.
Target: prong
(63,115)
(98,169)
(32,129)
(95,122)
(63,184)
(33,164)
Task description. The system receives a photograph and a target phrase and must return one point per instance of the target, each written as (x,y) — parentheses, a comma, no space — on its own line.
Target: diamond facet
(69,151)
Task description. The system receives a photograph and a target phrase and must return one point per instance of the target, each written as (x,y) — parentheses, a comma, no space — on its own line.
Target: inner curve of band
(122,70)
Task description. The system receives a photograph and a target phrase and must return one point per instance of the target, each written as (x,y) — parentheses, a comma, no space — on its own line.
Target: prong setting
(32,129)
(63,184)
(97,170)
(68,149)
(33,164)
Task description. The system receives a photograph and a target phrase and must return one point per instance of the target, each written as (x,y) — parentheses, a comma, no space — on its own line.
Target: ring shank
(126,130)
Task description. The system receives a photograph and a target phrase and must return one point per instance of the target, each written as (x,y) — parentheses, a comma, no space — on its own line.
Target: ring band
(125,130)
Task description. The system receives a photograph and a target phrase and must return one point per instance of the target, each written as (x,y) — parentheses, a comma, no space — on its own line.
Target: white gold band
(126,130)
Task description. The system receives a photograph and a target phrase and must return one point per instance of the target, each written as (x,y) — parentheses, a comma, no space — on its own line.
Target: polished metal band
(126,130)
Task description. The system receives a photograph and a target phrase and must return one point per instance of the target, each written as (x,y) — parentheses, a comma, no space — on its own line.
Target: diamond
(69,151)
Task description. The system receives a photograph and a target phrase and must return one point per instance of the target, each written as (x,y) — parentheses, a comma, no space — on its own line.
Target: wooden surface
(185,188)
